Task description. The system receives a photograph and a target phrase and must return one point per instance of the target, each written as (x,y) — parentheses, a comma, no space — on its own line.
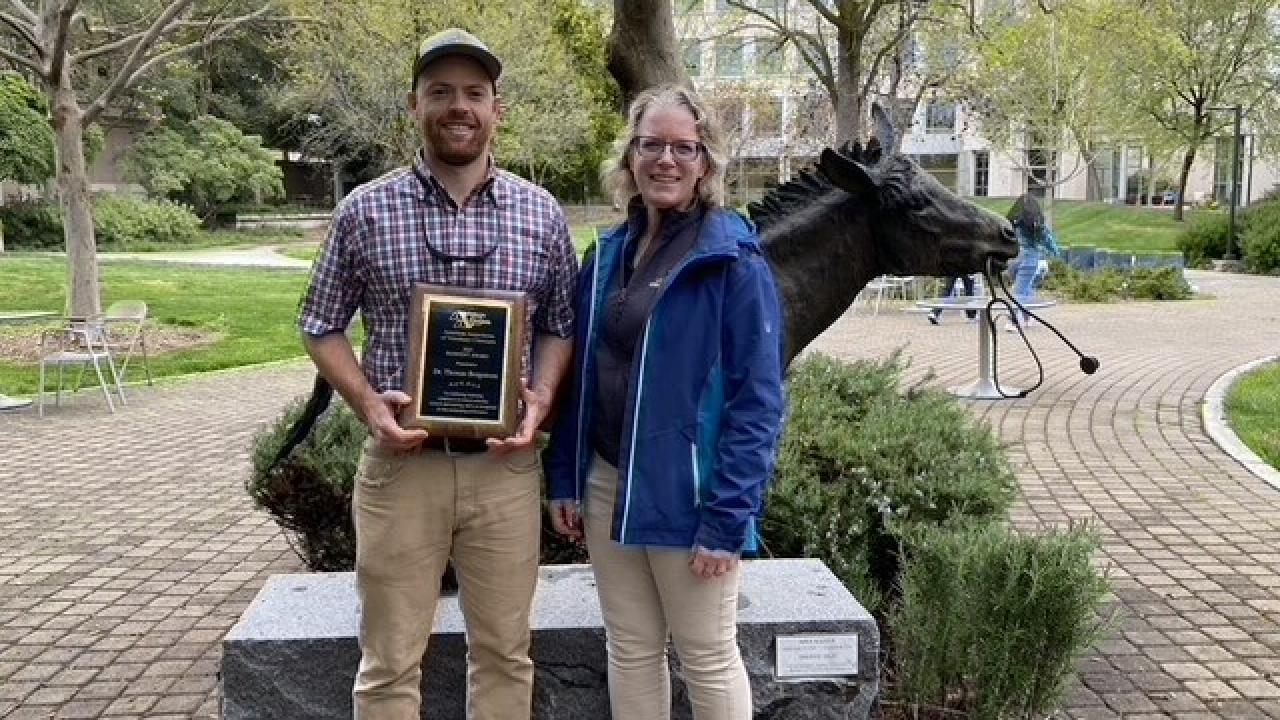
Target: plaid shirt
(381,242)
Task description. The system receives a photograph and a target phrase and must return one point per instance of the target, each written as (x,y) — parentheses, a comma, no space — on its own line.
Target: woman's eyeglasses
(682,150)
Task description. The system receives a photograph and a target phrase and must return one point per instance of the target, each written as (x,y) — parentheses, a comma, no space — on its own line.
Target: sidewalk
(128,546)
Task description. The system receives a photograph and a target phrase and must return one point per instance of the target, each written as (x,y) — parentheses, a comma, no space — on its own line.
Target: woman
(669,434)
(1036,244)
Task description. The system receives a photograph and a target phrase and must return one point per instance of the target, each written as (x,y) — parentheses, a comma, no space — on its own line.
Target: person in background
(935,315)
(1036,243)
(666,441)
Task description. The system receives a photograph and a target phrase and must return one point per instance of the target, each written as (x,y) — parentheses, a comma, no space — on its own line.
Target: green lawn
(1116,227)
(1253,411)
(253,309)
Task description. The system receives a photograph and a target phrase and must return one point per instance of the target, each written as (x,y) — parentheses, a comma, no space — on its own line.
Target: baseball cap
(455,41)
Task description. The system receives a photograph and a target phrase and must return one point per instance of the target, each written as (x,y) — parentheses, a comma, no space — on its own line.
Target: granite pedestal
(293,654)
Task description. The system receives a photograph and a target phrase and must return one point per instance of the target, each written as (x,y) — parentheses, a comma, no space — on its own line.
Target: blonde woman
(660,457)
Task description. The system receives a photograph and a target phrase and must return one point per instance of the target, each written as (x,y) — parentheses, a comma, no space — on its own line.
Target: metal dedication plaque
(818,655)
(463,372)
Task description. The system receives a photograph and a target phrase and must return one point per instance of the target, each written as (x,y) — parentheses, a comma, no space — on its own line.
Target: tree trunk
(1187,160)
(73,194)
(849,100)
(642,47)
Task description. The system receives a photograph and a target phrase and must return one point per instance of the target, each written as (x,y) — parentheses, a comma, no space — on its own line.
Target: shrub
(1260,237)
(1078,286)
(206,164)
(863,462)
(1205,238)
(991,621)
(32,226)
(126,222)
(309,493)
(1110,284)
(1166,283)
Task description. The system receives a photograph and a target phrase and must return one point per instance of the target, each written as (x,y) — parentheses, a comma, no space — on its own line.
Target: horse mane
(805,187)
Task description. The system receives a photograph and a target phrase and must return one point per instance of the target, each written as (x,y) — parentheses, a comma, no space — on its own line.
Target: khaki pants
(646,593)
(413,512)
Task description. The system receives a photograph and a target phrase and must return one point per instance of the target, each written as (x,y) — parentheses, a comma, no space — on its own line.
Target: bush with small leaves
(992,621)
(1260,237)
(1205,238)
(309,492)
(864,461)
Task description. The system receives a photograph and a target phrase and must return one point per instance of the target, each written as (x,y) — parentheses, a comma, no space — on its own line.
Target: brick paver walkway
(128,546)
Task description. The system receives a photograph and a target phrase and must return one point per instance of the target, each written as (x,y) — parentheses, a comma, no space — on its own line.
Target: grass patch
(1253,411)
(1117,227)
(253,310)
(301,253)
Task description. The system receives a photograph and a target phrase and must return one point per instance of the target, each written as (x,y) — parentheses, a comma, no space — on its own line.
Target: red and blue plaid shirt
(403,228)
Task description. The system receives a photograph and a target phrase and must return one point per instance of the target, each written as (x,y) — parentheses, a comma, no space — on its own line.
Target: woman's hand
(566,518)
(711,564)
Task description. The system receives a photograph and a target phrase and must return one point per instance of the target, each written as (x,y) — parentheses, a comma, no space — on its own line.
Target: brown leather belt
(455,446)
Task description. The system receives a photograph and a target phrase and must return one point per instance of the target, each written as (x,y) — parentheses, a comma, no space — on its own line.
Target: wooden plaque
(463,370)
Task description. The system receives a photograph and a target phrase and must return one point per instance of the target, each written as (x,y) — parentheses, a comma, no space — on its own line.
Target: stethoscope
(995,278)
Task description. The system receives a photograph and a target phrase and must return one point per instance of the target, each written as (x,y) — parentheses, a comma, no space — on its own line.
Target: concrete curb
(1213,413)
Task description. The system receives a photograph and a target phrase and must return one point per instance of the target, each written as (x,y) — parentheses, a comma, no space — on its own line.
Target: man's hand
(711,564)
(566,518)
(537,404)
(380,416)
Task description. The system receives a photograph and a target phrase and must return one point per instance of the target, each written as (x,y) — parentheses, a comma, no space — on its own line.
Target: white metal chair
(80,342)
(879,289)
(127,334)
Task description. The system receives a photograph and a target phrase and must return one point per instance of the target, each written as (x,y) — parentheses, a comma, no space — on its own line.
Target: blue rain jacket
(705,406)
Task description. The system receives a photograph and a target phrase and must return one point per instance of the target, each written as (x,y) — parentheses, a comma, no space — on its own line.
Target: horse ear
(883,130)
(847,174)
(874,151)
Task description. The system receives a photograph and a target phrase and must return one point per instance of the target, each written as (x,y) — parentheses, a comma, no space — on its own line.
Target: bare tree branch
(138,69)
(25,11)
(17,59)
(107,48)
(23,29)
(821,7)
(61,37)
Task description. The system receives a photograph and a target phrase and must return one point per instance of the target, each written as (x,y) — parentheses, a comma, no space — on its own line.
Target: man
(421,500)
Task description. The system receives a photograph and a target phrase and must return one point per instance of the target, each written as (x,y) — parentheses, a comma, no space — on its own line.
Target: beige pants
(412,513)
(646,593)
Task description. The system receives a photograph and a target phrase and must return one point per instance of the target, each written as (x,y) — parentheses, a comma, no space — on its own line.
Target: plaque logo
(468,320)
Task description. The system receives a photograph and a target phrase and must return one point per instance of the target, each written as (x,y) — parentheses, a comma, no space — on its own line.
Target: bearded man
(420,500)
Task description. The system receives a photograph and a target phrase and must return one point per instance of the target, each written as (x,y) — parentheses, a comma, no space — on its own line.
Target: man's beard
(452,152)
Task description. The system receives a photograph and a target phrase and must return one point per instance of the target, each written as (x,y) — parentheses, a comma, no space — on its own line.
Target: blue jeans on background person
(1024,275)
(967,281)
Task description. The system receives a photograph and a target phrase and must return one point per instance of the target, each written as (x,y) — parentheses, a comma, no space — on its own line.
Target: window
(944,167)
(769,5)
(769,57)
(940,117)
(1039,163)
(981,173)
(729,111)
(813,115)
(766,118)
(759,175)
(1222,170)
(693,57)
(729,58)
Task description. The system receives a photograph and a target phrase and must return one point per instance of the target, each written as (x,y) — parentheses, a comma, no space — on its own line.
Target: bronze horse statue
(861,213)
(864,213)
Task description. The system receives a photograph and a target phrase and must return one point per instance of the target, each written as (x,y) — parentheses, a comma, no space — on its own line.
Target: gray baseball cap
(456,41)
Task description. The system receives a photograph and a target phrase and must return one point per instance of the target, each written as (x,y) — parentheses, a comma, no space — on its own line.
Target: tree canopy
(26,140)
